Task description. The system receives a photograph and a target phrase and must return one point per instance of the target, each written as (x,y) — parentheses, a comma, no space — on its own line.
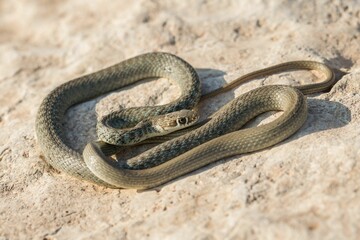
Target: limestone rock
(304,188)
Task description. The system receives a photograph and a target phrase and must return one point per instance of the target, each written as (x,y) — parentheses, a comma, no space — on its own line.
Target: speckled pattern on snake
(218,138)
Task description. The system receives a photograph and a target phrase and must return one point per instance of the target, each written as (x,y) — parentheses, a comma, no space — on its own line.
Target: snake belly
(216,139)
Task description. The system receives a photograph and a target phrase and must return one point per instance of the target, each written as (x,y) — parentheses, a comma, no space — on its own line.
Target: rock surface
(304,188)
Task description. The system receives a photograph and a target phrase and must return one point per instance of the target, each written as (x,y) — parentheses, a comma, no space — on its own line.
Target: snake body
(214,140)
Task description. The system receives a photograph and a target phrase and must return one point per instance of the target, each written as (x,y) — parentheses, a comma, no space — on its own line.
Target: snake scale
(218,138)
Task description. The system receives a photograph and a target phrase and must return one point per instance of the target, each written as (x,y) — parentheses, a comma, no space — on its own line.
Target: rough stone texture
(304,188)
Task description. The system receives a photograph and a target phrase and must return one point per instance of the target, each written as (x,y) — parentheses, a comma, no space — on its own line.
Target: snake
(218,137)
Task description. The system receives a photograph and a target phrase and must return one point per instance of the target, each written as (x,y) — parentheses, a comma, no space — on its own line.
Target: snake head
(174,121)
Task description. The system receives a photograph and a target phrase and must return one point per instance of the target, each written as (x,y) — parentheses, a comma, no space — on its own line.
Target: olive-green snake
(218,138)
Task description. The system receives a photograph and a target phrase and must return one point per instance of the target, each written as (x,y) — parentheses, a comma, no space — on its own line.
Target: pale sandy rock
(304,188)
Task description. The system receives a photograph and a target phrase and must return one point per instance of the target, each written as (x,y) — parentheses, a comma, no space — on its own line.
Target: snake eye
(182,121)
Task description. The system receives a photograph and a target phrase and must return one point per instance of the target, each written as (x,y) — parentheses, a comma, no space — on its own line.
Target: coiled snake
(218,138)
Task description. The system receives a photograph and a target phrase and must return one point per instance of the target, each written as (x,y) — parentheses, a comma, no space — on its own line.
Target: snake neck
(130,136)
